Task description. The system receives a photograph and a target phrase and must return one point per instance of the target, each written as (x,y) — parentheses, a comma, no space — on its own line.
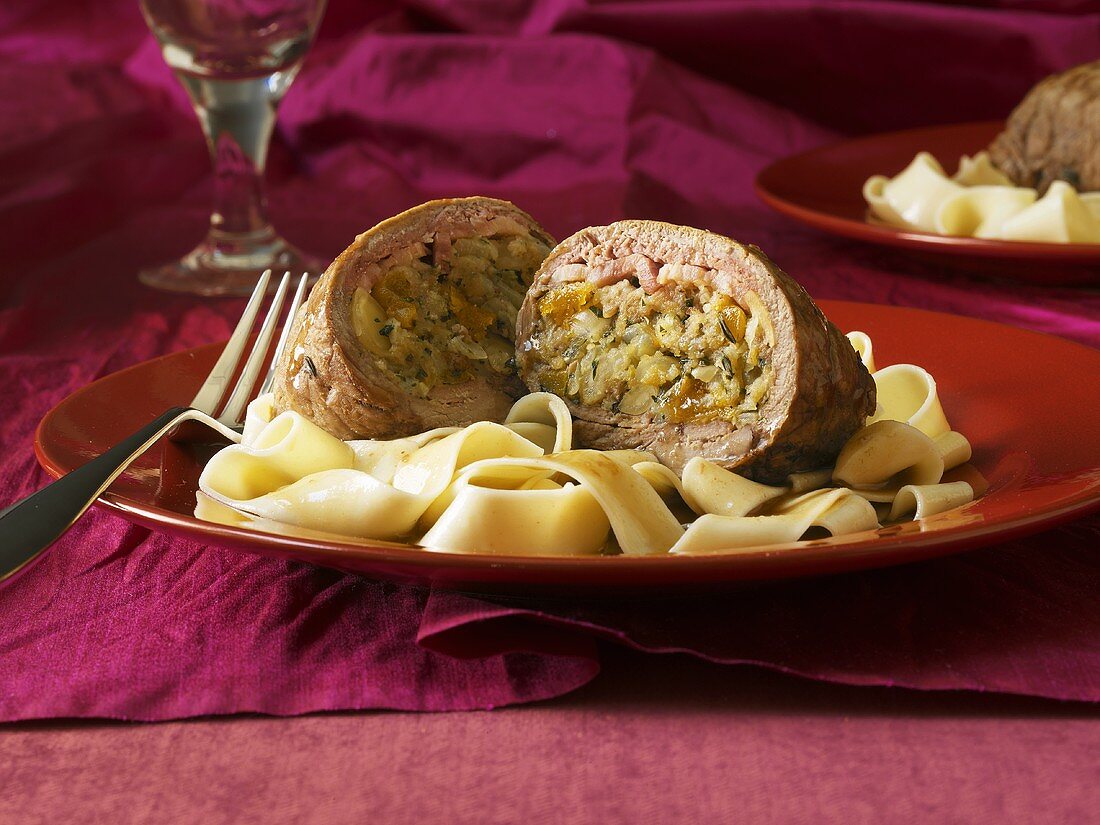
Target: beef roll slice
(413,326)
(686,343)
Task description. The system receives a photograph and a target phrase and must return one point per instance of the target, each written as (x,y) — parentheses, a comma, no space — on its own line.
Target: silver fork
(30,526)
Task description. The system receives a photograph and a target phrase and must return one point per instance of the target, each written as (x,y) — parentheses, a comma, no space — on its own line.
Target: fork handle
(30,526)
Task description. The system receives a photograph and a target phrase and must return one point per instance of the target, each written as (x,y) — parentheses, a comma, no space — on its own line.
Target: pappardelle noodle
(979,201)
(518,487)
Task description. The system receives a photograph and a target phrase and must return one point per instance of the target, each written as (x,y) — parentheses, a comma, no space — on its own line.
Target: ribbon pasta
(519,488)
(979,201)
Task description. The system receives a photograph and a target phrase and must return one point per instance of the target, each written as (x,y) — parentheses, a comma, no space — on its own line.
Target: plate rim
(884,551)
(1076,253)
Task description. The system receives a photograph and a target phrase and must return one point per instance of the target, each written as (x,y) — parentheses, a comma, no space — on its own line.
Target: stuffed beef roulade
(686,343)
(1053,133)
(413,326)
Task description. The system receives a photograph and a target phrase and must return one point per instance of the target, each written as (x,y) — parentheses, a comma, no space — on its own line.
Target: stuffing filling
(437,318)
(682,353)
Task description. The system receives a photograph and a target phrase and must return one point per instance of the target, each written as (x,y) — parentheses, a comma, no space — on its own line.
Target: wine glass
(236,59)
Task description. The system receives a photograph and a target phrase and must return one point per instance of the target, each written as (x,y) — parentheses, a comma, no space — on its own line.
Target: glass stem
(238,117)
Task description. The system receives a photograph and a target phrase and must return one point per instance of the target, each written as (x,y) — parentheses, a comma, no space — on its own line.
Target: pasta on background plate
(518,487)
(979,201)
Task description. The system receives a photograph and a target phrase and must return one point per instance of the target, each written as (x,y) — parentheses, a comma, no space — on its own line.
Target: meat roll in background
(686,343)
(1054,134)
(412,326)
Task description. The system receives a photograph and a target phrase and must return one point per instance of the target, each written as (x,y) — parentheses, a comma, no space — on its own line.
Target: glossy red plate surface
(823,188)
(1026,401)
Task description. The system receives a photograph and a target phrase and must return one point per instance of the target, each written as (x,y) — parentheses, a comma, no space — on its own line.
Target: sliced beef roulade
(412,327)
(686,343)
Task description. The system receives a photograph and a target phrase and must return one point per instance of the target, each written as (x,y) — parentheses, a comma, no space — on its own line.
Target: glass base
(224,266)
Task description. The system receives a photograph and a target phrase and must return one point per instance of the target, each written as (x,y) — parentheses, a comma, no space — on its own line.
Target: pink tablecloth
(581,115)
(655,740)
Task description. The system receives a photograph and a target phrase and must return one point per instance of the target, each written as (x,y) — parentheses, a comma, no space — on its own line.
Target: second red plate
(824,189)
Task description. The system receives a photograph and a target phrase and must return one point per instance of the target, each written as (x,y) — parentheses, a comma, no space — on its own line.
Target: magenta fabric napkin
(122,623)
(581,114)
(1023,618)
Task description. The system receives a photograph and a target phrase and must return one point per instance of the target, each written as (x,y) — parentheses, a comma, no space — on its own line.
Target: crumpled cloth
(580,113)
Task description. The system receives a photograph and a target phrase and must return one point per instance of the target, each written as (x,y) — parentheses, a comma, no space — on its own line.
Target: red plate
(1023,399)
(824,188)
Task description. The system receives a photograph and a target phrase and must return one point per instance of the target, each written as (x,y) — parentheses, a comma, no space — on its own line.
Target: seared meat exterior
(686,343)
(412,326)
(1054,134)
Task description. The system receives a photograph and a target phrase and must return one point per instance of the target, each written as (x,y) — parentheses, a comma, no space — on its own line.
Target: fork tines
(213,388)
